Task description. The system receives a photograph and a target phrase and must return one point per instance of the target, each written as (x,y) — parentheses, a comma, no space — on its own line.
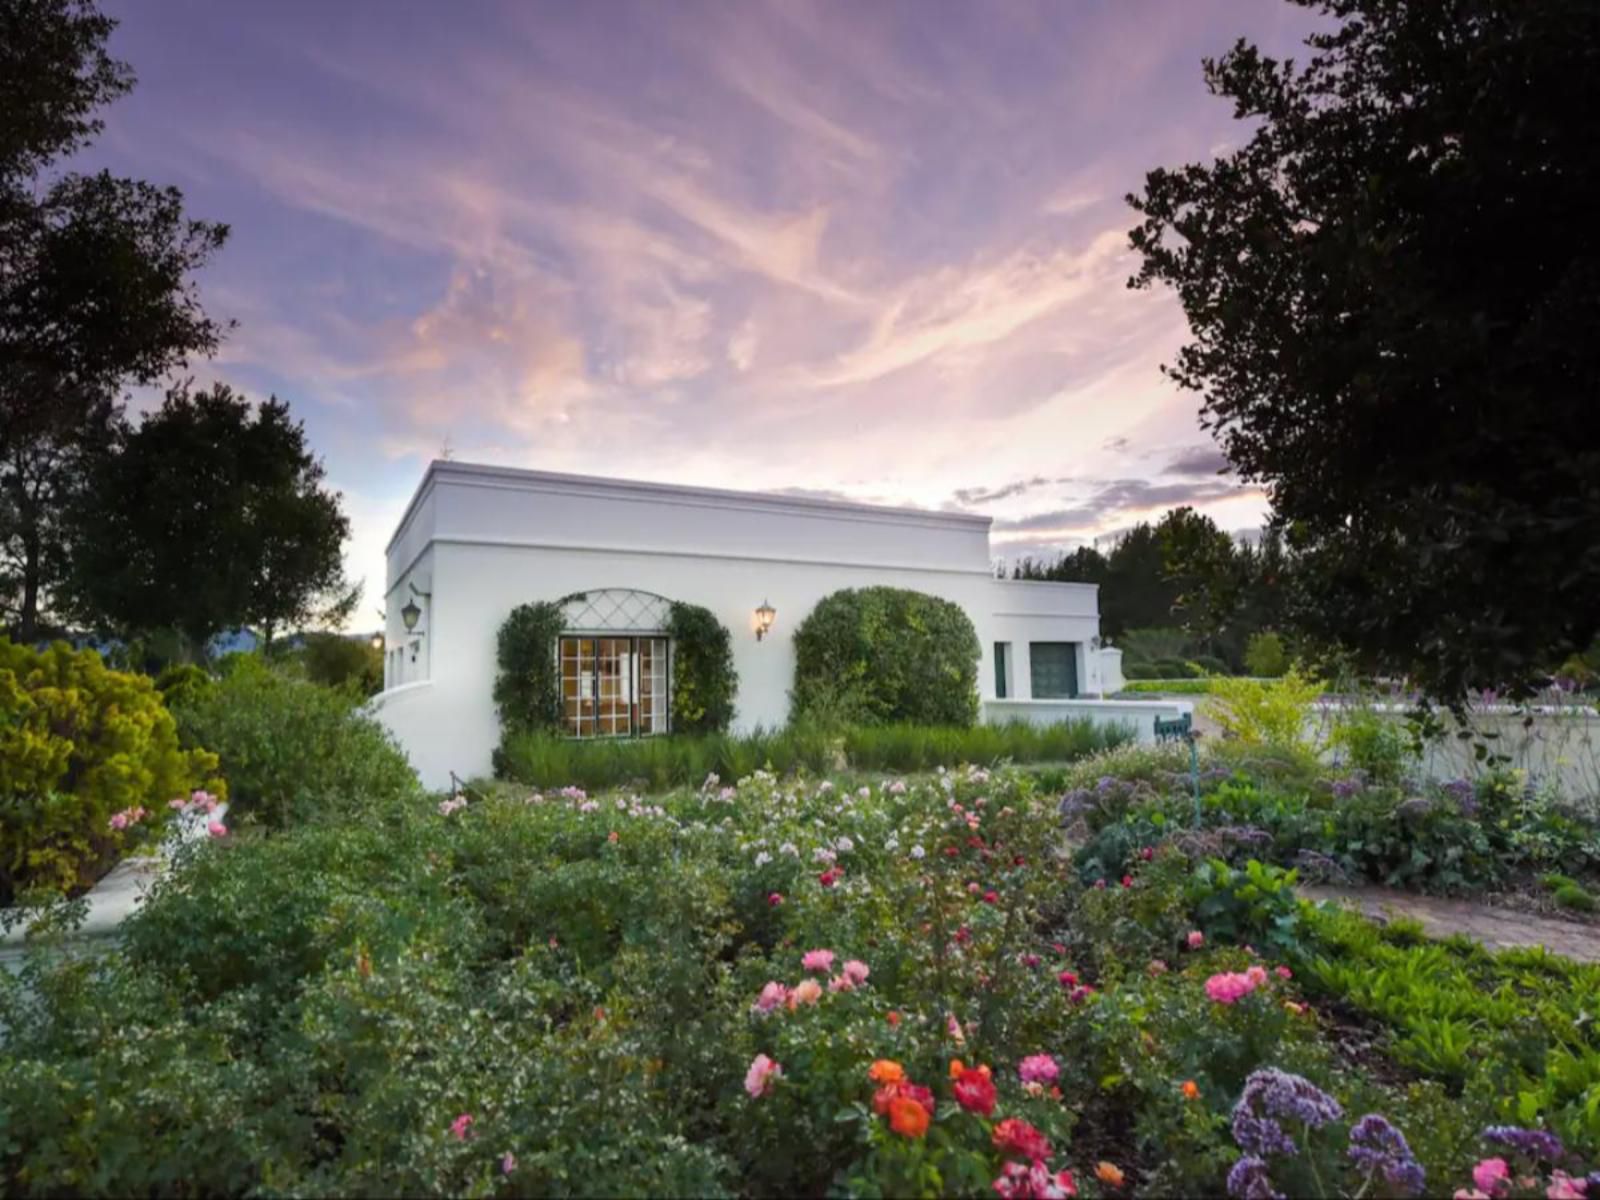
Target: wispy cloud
(803,246)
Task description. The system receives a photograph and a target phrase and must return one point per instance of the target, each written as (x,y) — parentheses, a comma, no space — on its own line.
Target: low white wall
(409,714)
(1139,715)
(1547,742)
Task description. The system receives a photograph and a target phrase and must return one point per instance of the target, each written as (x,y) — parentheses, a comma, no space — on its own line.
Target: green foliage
(527,684)
(293,751)
(1261,713)
(1568,892)
(78,744)
(1374,744)
(181,682)
(334,660)
(1265,656)
(1177,687)
(547,760)
(704,682)
(212,514)
(1510,1027)
(96,292)
(1255,905)
(1424,456)
(880,655)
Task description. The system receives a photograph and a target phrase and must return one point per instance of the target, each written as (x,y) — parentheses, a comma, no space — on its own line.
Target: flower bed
(893,988)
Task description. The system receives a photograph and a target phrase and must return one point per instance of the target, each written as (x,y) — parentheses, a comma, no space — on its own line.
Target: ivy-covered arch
(527,690)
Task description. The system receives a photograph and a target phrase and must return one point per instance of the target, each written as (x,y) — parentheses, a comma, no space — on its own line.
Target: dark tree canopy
(211,515)
(1393,290)
(95,287)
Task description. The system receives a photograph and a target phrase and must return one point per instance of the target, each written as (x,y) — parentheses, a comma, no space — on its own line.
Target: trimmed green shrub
(527,688)
(1265,656)
(80,744)
(293,750)
(881,654)
(703,679)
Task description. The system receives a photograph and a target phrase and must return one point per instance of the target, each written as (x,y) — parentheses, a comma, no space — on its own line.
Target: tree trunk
(28,618)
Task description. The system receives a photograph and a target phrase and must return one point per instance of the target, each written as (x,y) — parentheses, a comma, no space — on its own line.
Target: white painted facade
(477,541)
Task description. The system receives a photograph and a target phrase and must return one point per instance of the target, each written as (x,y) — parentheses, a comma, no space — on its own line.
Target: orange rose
(1108,1174)
(907,1117)
(957,1068)
(886,1070)
(1190,1090)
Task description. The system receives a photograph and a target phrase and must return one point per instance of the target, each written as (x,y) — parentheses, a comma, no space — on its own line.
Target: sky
(875,251)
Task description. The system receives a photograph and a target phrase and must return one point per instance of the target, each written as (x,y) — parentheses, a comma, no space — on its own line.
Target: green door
(1053,667)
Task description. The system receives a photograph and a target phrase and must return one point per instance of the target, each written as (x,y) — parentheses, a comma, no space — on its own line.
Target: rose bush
(896,986)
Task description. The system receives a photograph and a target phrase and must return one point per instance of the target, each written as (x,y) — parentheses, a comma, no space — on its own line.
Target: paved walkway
(1496,928)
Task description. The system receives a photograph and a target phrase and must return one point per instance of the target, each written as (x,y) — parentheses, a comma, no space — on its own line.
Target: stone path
(1495,928)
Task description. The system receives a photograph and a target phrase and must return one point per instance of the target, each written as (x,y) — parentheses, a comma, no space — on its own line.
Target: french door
(614,686)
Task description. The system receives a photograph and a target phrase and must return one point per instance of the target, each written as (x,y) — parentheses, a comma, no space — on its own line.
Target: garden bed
(803,986)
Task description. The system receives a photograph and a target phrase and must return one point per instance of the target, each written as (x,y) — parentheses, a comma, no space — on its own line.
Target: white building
(477,541)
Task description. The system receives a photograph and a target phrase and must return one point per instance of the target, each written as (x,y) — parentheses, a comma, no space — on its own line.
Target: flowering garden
(864,986)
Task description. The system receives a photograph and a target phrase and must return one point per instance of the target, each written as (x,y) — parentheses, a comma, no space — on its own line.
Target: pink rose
(761,1076)
(1491,1174)
(772,996)
(1038,1068)
(856,971)
(1196,939)
(817,960)
(460,1126)
(217,829)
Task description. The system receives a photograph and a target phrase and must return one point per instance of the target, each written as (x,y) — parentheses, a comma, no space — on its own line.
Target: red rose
(975,1092)
(1016,1136)
(991,897)
(1127,881)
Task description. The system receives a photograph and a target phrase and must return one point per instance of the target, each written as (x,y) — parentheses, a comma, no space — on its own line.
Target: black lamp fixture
(764,618)
(410,614)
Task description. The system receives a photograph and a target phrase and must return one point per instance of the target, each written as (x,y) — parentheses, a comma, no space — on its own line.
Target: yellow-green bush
(1264,712)
(78,744)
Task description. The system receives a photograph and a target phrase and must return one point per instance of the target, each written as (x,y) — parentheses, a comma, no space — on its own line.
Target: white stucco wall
(479,541)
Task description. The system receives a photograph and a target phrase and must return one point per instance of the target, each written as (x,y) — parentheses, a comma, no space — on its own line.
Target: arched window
(615,663)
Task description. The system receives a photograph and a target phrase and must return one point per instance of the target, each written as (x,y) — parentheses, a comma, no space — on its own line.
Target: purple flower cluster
(1248,1180)
(1343,789)
(1463,794)
(1379,1149)
(1315,865)
(1416,806)
(1271,1096)
(1245,835)
(1537,1144)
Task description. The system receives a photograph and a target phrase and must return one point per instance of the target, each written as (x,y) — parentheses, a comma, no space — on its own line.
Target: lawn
(772,986)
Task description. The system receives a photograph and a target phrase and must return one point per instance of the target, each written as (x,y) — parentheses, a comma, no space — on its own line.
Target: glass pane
(1053,669)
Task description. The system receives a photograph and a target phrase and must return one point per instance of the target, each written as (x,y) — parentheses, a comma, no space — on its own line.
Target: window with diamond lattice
(617,610)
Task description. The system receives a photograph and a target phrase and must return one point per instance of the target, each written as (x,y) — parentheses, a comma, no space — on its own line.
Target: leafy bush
(1265,656)
(80,745)
(543,760)
(1177,687)
(1379,747)
(704,682)
(1264,713)
(527,684)
(879,655)
(291,750)
(1255,906)
(334,660)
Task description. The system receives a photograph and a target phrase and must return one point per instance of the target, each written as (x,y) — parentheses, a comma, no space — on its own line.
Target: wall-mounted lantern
(377,641)
(410,614)
(765,615)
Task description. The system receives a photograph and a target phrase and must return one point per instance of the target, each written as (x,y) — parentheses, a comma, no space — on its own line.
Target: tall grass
(542,760)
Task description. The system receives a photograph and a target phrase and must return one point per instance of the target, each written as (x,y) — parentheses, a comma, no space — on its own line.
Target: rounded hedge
(881,654)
